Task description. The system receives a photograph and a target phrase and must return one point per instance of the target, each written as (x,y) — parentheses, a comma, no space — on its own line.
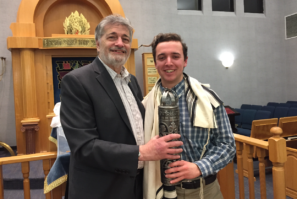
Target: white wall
(290,54)
(8,13)
(265,63)
(257,41)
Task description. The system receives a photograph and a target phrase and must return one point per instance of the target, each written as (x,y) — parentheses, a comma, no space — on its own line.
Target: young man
(102,117)
(204,127)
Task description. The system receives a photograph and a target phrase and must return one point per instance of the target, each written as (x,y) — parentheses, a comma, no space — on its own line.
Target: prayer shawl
(200,100)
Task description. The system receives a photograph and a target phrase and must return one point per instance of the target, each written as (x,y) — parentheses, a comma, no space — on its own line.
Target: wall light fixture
(227,59)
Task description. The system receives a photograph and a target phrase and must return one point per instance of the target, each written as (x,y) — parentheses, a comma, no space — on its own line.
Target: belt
(196,183)
(139,171)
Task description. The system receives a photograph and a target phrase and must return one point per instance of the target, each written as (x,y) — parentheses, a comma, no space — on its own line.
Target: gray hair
(112,19)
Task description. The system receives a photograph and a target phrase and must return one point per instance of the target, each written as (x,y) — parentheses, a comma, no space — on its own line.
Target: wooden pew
(291,169)
(276,148)
(289,125)
(260,130)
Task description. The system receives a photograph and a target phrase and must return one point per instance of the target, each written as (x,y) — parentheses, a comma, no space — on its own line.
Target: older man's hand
(159,148)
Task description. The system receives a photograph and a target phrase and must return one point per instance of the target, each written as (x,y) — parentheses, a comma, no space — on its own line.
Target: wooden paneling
(227,189)
(22,42)
(28,83)
(290,169)
(23,29)
(18,100)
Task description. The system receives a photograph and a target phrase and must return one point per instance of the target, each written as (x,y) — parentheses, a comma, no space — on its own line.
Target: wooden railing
(25,161)
(276,149)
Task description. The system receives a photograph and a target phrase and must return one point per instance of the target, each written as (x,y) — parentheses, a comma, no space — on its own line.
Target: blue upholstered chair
(262,115)
(246,122)
(272,104)
(292,112)
(280,112)
(247,119)
(238,117)
(293,106)
(256,107)
(291,102)
(284,105)
(268,108)
(245,106)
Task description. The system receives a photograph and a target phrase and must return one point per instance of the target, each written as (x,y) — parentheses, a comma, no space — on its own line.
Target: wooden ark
(40,22)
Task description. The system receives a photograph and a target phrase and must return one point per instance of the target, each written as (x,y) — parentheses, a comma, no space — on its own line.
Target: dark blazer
(104,154)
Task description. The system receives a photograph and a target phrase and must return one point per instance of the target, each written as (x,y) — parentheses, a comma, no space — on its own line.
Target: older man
(204,126)
(102,117)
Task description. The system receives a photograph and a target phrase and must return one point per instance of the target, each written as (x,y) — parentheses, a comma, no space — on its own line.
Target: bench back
(261,128)
(289,126)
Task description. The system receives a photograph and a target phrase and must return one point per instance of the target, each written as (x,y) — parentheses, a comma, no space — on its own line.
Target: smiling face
(170,63)
(114,46)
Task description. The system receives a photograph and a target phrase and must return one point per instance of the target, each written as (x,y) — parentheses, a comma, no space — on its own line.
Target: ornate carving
(30,130)
(76,24)
(68,42)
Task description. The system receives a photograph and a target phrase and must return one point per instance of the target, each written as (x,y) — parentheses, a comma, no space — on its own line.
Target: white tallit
(204,117)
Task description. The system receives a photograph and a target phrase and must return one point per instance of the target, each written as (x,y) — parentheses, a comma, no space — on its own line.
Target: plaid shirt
(221,147)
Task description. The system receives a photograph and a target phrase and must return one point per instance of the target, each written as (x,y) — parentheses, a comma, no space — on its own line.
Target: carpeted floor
(13,179)
(269,184)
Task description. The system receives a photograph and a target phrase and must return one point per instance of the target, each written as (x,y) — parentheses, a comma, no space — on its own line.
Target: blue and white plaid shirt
(221,147)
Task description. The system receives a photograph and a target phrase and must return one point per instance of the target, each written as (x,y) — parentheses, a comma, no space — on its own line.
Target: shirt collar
(179,88)
(124,72)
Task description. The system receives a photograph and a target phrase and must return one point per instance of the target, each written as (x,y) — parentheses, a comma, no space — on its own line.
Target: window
(223,5)
(253,6)
(189,4)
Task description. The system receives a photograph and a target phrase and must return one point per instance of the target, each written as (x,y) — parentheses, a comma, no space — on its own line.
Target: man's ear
(97,46)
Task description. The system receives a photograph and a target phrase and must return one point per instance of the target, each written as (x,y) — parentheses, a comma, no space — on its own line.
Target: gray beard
(116,62)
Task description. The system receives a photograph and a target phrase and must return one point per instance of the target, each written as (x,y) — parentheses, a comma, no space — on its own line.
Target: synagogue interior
(244,49)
